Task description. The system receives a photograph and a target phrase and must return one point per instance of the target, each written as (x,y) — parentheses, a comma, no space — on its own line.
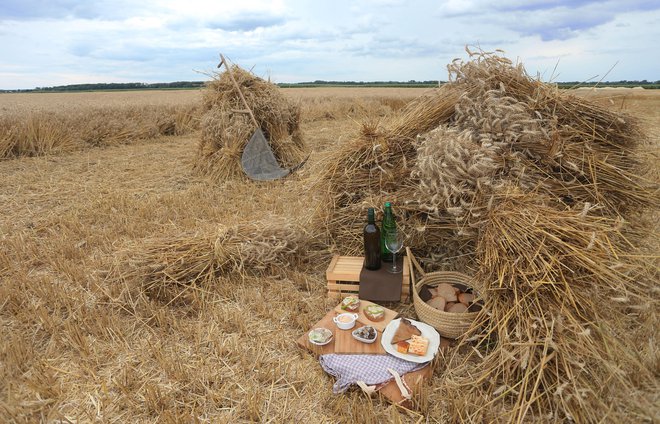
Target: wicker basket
(451,325)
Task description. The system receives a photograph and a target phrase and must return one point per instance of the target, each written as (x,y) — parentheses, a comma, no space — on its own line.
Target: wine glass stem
(394,268)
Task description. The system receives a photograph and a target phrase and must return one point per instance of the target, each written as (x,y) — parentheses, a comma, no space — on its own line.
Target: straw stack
(449,153)
(562,338)
(226,127)
(529,189)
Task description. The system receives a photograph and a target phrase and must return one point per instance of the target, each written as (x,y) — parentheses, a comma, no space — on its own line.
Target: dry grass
(37,132)
(79,345)
(565,309)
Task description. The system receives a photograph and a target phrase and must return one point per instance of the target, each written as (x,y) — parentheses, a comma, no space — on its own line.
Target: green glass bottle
(388,226)
(371,236)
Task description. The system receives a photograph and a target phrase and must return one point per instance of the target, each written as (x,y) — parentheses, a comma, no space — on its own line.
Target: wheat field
(78,346)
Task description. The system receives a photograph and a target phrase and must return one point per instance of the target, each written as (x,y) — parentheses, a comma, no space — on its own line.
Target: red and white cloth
(372,369)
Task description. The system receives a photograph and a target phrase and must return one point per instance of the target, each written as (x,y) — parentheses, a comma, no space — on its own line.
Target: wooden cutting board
(380,325)
(390,390)
(345,343)
(326,322)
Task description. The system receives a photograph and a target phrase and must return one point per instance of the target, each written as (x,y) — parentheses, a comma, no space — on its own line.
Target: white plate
(427,331)
(320,343)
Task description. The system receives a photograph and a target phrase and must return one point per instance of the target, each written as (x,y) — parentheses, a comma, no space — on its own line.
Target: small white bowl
(327,332)
(363,340)
(345,321)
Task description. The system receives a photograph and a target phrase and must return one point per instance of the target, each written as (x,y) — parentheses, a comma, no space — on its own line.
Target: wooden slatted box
(343,276)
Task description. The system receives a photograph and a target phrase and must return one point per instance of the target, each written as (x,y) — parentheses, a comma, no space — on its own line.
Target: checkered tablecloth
(372,369)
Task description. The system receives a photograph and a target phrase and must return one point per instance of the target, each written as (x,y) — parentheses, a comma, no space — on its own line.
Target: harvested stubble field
(81,346)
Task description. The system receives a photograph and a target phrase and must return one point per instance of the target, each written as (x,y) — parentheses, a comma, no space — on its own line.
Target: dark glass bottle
(388,225)
(371,235)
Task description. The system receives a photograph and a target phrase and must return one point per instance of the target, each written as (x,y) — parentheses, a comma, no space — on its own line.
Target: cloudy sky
(58,42)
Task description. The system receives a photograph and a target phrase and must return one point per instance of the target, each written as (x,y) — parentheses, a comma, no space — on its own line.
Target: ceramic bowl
(357,337)
(325,336)
(345,321)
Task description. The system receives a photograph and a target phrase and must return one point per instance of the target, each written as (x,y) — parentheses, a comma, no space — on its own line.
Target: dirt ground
(78,347)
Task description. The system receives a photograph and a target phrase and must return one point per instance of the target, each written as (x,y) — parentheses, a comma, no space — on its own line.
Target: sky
(59,42)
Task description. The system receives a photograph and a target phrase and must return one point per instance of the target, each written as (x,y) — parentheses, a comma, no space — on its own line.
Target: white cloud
(75,41)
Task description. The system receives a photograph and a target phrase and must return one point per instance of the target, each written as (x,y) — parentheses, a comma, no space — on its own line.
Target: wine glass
(394,243)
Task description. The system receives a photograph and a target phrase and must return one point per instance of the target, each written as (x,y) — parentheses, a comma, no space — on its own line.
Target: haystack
(566,338)
(444,159)
(226,128)
(528,188)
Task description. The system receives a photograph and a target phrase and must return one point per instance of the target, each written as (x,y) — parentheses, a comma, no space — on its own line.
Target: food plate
(427,331)
(324,336)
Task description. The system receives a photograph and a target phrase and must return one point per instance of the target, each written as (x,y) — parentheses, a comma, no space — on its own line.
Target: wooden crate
(343,276)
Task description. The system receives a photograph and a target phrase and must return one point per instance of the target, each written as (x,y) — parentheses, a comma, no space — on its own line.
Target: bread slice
(405,331)
(447,291)
(466,298)
(457,308)
(437,302)
(374,312)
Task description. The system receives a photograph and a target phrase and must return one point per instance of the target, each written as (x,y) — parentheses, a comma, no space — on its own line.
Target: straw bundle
(445,157)
(561,339)
(255,248)
(226,128)
(375,166)
(454,173)
(574,149)
(378,159)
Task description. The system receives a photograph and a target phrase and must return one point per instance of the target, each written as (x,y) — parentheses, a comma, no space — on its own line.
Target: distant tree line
(318,83)
(119,86)
(622,83)
(435,83)
(321,83)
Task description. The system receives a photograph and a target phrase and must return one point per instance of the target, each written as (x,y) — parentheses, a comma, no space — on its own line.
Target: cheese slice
(418,345)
